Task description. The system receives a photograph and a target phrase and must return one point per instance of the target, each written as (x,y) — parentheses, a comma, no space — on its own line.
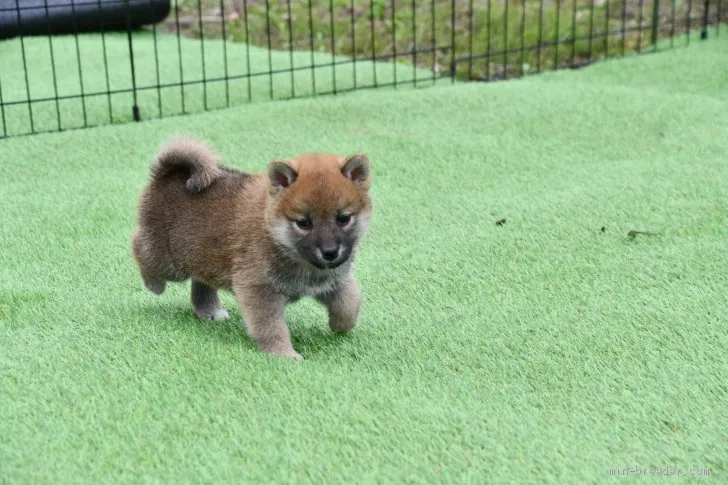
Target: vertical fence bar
(453,66)
(53,65)
(290,47)
(156,62)
(505,40)
(471,19)
(394,44)
(106,62)
(353,41)
(202,53)
(640,24)
(540,36)
(557,35)
(573,33)
(135,106)
(689,21)
(310,40)
(624,27)
(414,44)
(706,20)
(489,40)
(655,23)
(247,49)
(607,13)
(373,41)
(333,45)
(270,49)
(179,54)
(224,52)
(25,67)
(521,61)
(80,68)
(673,21)
(591,29)
(434,41)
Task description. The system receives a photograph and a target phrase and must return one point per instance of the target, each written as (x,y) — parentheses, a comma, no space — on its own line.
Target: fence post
(655,23)
(706,18)
(453,62)
(135,107)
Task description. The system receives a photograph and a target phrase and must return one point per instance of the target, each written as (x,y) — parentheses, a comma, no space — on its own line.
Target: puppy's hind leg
(155,286)
(153,282)
(206,303)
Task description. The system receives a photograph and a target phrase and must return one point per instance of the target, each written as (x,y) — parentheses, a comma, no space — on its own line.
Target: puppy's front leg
(343,306)
(264,313)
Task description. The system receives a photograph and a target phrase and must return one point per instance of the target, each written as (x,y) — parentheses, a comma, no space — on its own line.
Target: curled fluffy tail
(189,156)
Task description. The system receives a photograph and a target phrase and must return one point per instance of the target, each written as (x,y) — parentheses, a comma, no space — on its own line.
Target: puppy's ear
(357,168)
(281,174)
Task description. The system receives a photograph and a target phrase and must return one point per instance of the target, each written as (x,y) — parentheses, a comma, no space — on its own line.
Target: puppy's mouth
(328,264)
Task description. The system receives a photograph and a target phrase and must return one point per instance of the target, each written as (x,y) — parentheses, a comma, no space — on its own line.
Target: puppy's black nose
(330,253)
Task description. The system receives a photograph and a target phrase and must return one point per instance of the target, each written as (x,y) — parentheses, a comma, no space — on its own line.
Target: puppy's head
(319,206)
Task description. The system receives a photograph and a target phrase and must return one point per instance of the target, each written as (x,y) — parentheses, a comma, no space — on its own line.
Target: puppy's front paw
(341,325)
(212,314)
(286,352)
(293,355)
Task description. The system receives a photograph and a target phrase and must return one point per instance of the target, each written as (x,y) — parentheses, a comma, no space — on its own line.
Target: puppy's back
(187,213)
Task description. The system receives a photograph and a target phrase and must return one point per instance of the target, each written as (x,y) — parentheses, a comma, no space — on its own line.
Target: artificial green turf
(93,65)
(543,350)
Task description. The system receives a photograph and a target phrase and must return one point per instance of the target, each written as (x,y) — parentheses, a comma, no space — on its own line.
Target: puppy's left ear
(357,168)
(281,175)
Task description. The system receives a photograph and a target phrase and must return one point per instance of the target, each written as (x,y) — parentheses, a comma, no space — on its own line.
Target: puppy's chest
(297,282)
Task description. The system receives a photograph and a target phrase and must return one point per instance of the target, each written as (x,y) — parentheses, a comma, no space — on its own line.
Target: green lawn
(543,350)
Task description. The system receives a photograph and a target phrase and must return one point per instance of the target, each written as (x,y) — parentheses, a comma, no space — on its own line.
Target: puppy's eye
(304,224)
(343,219)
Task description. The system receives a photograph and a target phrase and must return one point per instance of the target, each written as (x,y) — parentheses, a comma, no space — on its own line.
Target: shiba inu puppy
(269,238)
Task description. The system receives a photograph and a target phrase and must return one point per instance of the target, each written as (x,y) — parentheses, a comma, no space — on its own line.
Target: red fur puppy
(269,238)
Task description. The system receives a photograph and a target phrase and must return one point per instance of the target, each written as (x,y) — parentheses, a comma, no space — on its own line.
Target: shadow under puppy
(270,238)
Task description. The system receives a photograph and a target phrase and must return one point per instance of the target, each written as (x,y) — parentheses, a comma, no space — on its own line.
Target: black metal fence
(76,63)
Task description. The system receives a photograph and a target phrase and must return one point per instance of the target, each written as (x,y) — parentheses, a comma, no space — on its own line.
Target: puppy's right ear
(356,168)
(281,174)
